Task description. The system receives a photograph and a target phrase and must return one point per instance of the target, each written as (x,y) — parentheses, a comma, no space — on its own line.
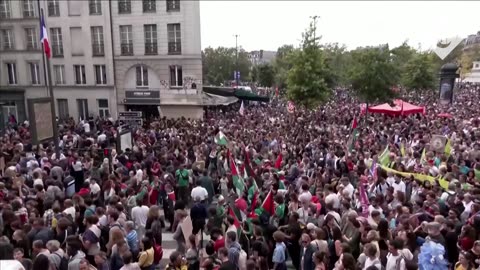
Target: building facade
(107,56)
(157,57)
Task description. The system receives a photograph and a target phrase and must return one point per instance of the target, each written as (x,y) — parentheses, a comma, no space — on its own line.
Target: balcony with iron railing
(173,5)
(151,48)
(32,46)
(174,48)
(95,8)
(124,7)
(126,49)
(98,49)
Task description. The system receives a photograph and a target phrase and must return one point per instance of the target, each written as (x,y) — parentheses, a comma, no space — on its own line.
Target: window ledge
(176,87)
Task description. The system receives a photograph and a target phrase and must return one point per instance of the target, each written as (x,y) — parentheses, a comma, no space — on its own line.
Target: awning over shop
(215,100)
(232,92)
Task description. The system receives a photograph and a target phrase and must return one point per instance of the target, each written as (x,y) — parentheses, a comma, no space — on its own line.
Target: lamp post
(237,79)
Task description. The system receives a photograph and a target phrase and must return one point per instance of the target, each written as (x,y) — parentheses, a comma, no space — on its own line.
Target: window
(477,65)
(8,109)
(57,42)
(34,73)
(173,5)
(59,71)
(28,9)
(12,73)
(7,39)
(77,41)
(62,105)
(5,9)
(97,41)
(82,105)
(124,6)
(53,8)
(174,39)
(150,38)
(142,76)
(126,42)
(100,74)
(95,7)
(149,6)
(176,76)
(79,71)
(75,7)
(103,108)
(31,37)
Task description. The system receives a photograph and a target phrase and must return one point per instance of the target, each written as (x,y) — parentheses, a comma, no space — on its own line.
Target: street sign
(236,75)
(132,119)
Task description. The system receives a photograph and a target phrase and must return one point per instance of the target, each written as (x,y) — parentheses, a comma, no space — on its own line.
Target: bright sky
(269,24)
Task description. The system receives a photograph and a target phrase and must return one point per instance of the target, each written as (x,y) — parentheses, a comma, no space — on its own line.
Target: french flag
(44,38)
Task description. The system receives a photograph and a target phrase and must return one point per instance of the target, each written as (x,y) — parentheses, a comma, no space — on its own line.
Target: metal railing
(126,49)
(149,6)
(124,7)
(57,50)
(173,5)
(174,48)
(151,48)
(98,49)
(53,9)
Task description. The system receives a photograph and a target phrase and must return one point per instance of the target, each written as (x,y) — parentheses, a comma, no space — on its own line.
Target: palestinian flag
(354,135)
(248,172)
(267,205)
(278,162)
(235,213)
(220,138)
(238,182)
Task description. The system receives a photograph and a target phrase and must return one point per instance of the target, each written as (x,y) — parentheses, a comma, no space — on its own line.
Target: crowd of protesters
(268,187)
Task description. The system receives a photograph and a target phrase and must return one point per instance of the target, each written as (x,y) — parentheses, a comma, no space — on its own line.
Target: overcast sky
(269,24)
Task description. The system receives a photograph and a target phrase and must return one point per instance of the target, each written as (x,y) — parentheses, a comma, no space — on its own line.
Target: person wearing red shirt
(217,238)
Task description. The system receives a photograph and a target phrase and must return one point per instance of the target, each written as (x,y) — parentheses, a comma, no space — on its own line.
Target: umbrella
(445,115)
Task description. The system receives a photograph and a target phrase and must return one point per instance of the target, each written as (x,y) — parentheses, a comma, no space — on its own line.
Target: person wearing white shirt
(398,185)
(395,259)
(347,187)
(86,127)
(199,192)
(139,217)
(94,187)
(332,198)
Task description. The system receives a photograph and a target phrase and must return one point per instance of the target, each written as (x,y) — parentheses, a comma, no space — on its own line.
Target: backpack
(157,253)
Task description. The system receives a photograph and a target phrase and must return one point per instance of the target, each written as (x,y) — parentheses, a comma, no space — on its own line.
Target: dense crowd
(267,186)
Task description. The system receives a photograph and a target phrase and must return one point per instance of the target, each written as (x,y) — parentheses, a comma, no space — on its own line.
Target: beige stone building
(107,56)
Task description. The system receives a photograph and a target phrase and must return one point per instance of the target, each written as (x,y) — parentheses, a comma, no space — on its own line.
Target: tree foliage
(265,75)
(401,55)
(372,74)
(310,79)
(282,64)
(339,60)
(418,73)
(219,65)
(467,59)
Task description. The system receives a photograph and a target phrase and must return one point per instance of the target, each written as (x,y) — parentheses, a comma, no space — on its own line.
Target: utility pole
(46,62)
(237,79)
(315,25)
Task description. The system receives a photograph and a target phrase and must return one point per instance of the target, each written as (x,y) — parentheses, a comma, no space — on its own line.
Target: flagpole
(46,62)
(43,50)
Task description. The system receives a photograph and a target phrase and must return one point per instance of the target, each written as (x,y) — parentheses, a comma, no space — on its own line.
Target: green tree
(372,74)
(265,75)
(282,64)
(401,55)
(220,63)
(339,60)
(418,74)
(310,79)
(466,60)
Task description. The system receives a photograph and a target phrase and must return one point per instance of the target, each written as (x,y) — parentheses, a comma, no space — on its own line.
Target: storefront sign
(142,94)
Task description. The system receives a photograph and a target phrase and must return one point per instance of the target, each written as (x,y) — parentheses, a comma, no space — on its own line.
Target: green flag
(384,158)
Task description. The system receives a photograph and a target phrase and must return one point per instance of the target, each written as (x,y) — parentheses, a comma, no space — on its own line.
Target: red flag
(235,218)
(276,91)
(278,163)
(354,123)
(247,165)
(268,205)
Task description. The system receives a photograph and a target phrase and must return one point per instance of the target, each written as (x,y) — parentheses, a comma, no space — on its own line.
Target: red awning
(401,108)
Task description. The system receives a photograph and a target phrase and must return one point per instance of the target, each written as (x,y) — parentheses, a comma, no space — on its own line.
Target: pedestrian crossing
(169,245)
